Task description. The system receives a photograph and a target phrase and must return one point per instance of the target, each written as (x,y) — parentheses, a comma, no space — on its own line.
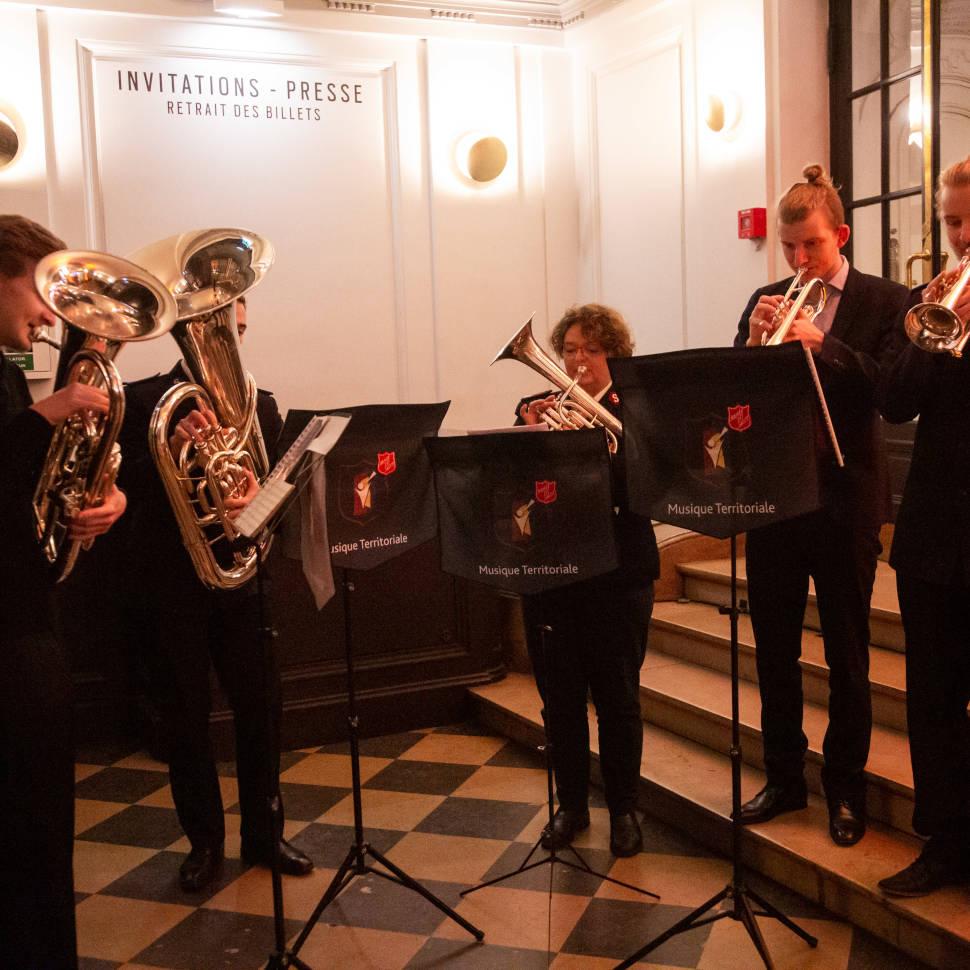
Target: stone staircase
(686,775)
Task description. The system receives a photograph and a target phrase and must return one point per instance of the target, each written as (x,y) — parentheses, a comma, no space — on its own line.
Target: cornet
(934,326)
(574,408)
(794,300)
(104,302)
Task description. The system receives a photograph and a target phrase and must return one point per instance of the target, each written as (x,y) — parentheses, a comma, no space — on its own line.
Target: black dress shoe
(200,868)
(772,800)
(626,839)
(566,825)
(937,866)
(846,823)
(293,862)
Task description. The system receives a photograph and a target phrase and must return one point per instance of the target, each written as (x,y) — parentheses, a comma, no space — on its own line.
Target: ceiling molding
(540,14)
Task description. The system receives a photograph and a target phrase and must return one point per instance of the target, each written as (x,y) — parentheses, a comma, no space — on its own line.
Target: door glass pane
(866,239)
(866,178)
(954,81)
(905,134)
(905,236)
(905,35)
(865,42)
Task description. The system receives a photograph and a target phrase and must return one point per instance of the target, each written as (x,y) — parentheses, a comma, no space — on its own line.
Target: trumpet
(794,300)
(104,302)
(574,408)
(934,326)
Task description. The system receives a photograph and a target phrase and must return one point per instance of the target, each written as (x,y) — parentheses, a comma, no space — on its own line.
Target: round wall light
(723,111)
(10,140)
(481,158)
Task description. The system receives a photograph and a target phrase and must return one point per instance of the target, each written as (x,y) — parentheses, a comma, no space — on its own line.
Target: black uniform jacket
(25,578)
(932,537)
(635,542)
(848,367)
(156,559)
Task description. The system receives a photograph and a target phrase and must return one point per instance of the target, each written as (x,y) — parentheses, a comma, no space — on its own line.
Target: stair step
(698,633)
(709,581)
(688,785)
(695,702)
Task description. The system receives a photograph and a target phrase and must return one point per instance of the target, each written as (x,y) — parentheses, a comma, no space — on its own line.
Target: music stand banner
(524,512)
(720,440)
(380,497)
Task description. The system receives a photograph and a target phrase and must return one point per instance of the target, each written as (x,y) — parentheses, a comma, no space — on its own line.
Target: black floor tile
(476,956)
(662,839)
(227,769)
(468,729)
(328,845)
(389,746)
(377,903)
(517,756)
(150,828)
(480,818)
(422,777)
(215,940)
(121,785)
(156,880)
(105,753)
(304,803)
(616,929)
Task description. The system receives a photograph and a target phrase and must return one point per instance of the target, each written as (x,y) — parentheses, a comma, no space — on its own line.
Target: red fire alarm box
(752,223)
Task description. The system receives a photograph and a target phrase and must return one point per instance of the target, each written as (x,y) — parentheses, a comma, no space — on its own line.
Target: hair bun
(814,174)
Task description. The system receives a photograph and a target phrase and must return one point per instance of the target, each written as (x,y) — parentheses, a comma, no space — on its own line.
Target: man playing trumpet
(836,546)
(931,556)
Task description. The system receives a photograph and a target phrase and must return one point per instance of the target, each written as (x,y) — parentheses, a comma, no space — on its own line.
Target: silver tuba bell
(104,302)
(574,408)
(207,271)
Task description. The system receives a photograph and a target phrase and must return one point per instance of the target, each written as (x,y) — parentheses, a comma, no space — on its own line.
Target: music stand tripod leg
(355,862)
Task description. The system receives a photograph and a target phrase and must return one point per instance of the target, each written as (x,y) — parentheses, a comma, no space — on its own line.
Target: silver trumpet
(574,408)
(934,326)
(795,299)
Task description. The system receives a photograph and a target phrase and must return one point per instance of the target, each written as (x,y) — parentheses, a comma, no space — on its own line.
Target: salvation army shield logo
(386,462)
(739,417)
(546,492)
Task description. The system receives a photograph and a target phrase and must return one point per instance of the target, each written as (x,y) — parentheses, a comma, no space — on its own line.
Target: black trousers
(597,646)
(937,625)
(36,801)
(841,558)
(217,628)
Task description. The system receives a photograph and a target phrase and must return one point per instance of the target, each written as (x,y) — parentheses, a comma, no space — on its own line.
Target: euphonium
(934,326)
(794,300)
(207,271)
(104,302)
(575,408)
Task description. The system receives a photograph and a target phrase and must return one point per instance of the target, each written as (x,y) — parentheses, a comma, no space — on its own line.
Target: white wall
(659,191)
(395,279)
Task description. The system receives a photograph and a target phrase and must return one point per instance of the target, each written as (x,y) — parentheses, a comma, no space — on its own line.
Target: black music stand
(257,525)
(721,441)
(480,481)
(379,488)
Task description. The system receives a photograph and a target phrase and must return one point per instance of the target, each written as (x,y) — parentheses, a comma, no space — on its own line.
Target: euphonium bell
(104,302)
(207,271)
(575,408)
(934,325)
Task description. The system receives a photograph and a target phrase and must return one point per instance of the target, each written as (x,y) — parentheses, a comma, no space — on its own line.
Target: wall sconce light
(481,158)
(723,111)
(251,9)
(10,140)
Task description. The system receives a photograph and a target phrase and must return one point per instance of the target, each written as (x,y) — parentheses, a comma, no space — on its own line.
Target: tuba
(574,408)
(934,326)
(104,302)
(794,300)
(207,271)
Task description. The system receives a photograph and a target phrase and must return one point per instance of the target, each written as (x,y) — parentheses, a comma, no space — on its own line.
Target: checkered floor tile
(452,807)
